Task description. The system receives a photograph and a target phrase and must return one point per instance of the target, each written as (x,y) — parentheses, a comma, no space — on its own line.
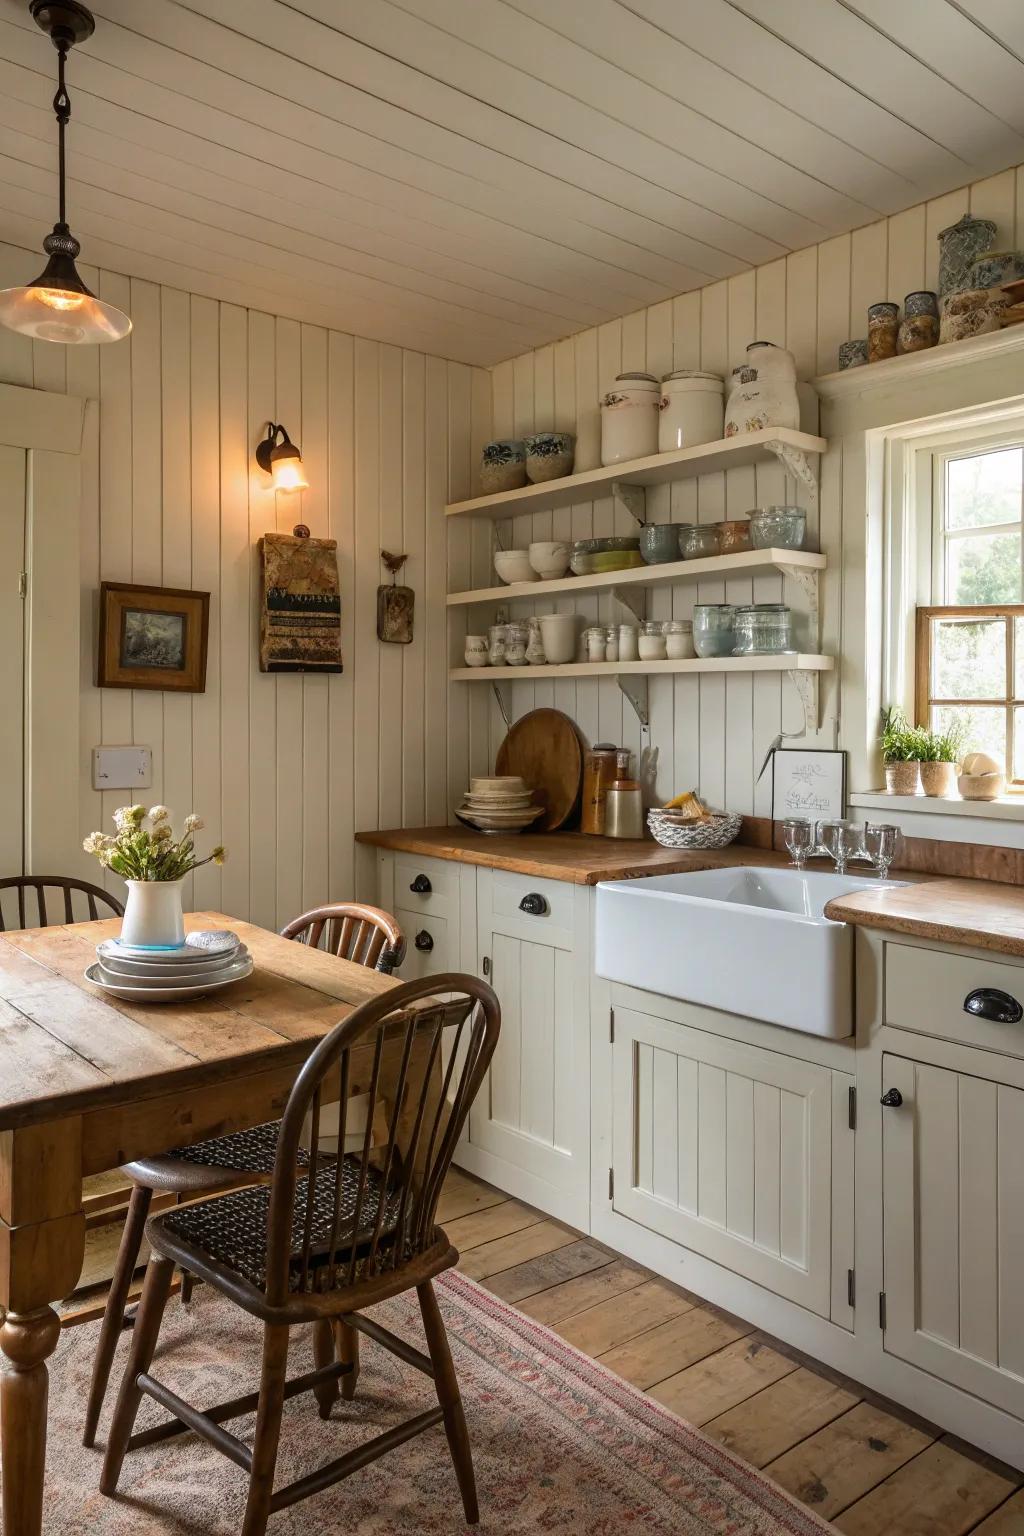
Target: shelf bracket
(635,689)
(630,498)
(807,581)
(506,713)
(806,685)
(635,599)
(795,462)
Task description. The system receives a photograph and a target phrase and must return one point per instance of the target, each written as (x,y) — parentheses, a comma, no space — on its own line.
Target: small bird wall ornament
(395,605)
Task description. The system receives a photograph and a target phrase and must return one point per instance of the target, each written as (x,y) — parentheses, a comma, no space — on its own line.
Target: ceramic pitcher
(153,916)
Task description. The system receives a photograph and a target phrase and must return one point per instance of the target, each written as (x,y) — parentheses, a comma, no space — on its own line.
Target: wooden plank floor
(867,1466)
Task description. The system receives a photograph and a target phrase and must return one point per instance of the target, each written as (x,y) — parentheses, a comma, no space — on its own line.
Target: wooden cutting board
(544,748)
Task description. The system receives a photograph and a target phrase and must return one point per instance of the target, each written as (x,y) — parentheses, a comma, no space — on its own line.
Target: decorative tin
(996,268)
(921,302)
(919,328)
(853,354)
(960,245)
(883,328)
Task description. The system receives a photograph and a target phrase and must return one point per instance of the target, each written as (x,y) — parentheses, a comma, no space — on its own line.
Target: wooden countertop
(562,855)
(978,913)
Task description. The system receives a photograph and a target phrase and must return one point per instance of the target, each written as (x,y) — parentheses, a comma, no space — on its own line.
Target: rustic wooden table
(88,1082)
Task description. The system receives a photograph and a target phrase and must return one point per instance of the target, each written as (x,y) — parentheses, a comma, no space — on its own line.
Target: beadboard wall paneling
(283,769)
(714,731)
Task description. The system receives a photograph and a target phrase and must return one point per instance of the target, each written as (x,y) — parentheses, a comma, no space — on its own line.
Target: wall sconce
(281,460)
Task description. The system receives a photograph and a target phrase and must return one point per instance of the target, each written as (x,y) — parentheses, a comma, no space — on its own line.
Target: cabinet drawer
(431,955)
(550,923)
(440,875)
(925,991)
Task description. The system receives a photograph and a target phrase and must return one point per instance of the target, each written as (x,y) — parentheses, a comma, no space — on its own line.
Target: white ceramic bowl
(558,631)
(514,565)
(550,559)
(981,786)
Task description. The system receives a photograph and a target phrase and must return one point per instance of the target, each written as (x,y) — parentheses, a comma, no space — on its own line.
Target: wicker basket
(723,828)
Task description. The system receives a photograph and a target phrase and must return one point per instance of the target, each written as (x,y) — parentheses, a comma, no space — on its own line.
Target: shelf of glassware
(707,458)
(788,661)
(753,562)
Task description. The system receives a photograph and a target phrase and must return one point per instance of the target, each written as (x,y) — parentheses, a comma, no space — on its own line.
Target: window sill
(1006,808)
(995,823)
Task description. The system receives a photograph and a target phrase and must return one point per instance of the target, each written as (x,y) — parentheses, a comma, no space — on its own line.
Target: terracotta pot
(938,779)
(903,778)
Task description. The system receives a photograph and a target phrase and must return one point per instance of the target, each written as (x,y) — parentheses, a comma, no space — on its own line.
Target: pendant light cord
(62,111)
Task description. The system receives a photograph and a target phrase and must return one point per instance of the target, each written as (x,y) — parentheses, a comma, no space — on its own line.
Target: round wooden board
(544,748)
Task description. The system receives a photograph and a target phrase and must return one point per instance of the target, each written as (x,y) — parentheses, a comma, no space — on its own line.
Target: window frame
(925,702)
(941,536)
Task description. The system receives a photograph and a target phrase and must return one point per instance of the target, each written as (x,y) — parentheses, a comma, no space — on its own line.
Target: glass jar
(762,629)
(733,536)
(516,636)
(496,643)
(651,642)
(627,642)
(712,629)
(778,527)
(679,640)
(698,541)
(595,640)
(534,644)
(611,643)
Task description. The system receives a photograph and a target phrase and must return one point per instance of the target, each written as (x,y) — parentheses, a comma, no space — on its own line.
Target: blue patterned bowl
(996,268)
(549,455)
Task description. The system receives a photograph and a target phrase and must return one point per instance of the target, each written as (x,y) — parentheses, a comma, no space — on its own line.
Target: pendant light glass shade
(57,306)
(281,460)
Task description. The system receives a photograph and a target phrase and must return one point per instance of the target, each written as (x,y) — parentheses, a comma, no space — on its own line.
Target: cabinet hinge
(850,1289)
(611,1025)
(23,583)
(881,1310)
(851,1108)
(611,1183)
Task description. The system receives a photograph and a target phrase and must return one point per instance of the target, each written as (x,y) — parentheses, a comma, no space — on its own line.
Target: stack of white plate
(203,963)
(502,804)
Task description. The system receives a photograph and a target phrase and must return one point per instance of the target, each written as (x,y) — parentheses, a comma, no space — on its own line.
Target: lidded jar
(698,541)
(651,643)
(692,409)
(883,331)
(629,418)
(712,629)
(679,640)
(599,772)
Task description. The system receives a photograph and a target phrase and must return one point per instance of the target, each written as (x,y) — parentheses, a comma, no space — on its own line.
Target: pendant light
(281,460)
(57,306)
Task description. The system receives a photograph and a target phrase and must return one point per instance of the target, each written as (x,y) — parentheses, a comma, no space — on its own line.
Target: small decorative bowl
(659,543)
(502,466)
(723,828)
(549,455)
(514,565)
(549,558)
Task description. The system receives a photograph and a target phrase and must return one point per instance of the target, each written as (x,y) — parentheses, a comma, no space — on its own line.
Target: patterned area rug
(560,1445)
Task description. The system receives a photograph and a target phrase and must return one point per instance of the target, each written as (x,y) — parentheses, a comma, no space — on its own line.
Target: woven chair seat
(231,1230)
(250,1151)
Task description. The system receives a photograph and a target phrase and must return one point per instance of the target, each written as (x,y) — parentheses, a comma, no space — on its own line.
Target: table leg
(42,1244)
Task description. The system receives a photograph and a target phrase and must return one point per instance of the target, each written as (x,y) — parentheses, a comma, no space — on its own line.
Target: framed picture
(808,782)
(153,637)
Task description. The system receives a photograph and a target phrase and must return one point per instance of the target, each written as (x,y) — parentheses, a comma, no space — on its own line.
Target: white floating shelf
(714,568)
(793,662)
(707,459)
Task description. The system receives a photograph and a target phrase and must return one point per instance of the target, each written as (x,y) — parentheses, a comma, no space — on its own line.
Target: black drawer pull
(892,1100)
(424,941)
(421,886)
(990,1003)
(534,904)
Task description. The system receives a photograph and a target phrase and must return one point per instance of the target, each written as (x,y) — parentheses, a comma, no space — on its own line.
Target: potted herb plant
(901,754)
(153,864)
(940,753)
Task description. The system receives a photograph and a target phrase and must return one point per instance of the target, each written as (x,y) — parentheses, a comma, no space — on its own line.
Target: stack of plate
(499,805)
(203,963)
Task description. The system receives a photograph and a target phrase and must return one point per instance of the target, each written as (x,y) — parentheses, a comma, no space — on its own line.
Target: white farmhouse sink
(744,940)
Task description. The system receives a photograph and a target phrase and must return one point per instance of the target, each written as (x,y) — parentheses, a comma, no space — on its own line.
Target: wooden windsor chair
(362,934)
(93,898)
(323,1243)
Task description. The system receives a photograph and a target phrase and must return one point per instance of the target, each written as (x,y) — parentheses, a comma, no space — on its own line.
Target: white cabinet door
(726,1149)
(953,1171)
(533,1112)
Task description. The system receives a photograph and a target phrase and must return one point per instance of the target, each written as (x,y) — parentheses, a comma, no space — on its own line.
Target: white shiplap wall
(714,731)
(284,769)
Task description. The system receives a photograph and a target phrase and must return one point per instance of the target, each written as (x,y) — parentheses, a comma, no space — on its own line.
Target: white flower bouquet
(138,852)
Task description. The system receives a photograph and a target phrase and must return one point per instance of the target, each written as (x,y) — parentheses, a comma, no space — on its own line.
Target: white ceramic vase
(153,917)
(764,394)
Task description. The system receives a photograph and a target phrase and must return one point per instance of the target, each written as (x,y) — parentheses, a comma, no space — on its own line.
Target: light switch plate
(122,767)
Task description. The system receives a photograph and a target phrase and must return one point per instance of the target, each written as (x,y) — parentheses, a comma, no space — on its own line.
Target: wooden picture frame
(809,781)
(153,637)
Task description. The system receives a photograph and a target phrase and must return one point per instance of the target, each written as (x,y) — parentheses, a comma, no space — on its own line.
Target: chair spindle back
(61,907)
(349,929)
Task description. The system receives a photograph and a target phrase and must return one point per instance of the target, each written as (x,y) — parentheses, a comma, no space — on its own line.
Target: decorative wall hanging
(808,782)
(152,637)
(56,305)
(395,605)
(300,603)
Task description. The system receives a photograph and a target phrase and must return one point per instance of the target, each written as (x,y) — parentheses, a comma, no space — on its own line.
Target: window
(970,640)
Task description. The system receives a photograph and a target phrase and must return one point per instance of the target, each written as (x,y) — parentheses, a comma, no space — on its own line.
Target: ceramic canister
(883,331)
(765,395)
(853,354)
(629,418)
(502,466)
(692,410)
(919,328)
(974,312)
(960,245)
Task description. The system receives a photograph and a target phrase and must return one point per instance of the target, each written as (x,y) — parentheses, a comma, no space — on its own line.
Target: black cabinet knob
(424,941)
(421,886)
(534,904)
(892,1100)
(990,1003)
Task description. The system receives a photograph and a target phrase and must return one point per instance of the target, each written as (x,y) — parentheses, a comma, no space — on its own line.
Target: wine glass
(882,843)
(840,840)
(799,837)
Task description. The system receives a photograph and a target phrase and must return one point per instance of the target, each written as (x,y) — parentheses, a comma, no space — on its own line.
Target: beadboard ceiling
(477,177)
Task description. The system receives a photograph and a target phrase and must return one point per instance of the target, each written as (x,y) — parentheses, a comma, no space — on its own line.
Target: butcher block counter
(570,856)
(979,913)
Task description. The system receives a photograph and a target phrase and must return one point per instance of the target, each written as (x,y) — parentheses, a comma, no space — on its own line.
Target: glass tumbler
(799,835)
(882,844)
